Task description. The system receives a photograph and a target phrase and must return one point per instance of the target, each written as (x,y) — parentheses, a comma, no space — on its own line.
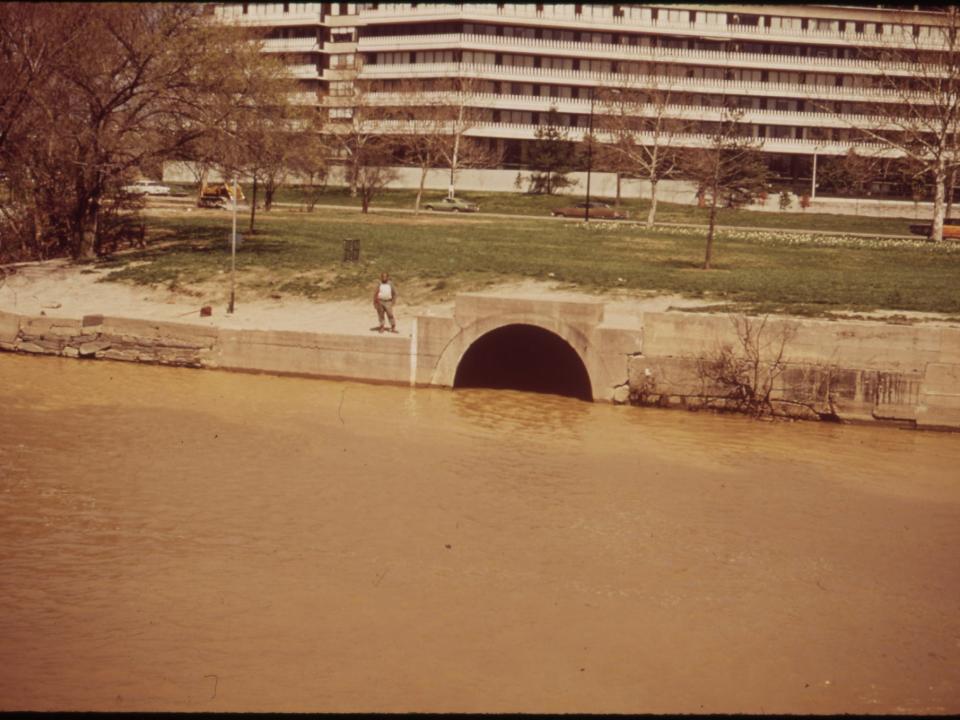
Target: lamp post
(589,156)
(233,250)
(813,176)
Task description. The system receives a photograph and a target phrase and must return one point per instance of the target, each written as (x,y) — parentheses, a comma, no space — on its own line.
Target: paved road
(548,218)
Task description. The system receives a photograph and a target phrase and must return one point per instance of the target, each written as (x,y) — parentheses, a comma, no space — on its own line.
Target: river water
(190,540)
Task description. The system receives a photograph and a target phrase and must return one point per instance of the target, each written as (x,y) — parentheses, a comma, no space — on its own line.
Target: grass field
(433,256)
(541,205)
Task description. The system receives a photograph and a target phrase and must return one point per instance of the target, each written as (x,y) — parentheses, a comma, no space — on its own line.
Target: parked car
(452,205)
(598,210)
(951,228)
(146,187)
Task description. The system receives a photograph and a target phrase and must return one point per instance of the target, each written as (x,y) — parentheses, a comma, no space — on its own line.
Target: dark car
(452,205)
(598,210)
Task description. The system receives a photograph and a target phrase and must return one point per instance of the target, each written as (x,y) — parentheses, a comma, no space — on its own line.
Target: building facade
(805,77)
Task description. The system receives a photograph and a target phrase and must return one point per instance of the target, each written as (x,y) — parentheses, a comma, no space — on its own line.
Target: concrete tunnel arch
(561,351)
(524,357)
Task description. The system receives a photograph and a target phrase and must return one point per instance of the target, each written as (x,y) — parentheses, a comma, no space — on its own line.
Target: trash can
(351,250)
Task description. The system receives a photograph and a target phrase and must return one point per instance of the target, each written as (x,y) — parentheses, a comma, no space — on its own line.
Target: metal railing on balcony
(896,35)
(304,71)
(581,106)
(291,45)
(639,53)
(527,131)
(663,82)
(310,16)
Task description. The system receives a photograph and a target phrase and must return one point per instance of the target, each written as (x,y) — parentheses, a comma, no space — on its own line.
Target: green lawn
(432,257)
(522,204)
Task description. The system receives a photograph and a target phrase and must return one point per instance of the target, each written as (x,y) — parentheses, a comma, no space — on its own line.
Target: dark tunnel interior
(524,357)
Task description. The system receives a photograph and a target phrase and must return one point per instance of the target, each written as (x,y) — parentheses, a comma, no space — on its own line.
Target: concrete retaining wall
(374,359)
(852,371)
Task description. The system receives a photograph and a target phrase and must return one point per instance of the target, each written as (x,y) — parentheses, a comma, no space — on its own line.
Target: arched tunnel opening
(524,357)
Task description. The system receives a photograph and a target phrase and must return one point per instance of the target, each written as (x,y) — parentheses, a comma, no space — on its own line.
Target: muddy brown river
(186,540)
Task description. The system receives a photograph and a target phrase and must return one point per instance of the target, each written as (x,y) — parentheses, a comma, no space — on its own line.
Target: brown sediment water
(188,540)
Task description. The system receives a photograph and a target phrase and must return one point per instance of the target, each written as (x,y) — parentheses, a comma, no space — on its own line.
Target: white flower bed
(787,237)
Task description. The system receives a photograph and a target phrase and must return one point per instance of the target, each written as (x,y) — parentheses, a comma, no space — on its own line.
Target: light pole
(813,176)
(589,156)
(233,250)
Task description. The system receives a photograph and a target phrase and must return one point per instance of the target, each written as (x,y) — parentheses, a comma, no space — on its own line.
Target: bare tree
(919,115)
(277,140)
(127,86)
(459,114)
(635,122)
(359,130)
(729,171)
(743,377)
(422,141)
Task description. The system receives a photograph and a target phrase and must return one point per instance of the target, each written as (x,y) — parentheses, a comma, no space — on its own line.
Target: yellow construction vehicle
(218,195)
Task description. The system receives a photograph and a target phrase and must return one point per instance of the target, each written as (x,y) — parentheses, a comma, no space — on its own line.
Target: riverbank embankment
(857,371)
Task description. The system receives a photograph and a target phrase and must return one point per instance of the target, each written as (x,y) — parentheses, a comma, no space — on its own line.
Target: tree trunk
(253,204)
(713,223)
(951,187)
(939,178)
(455,158)
(423,181)
(714,192)
(268,193)
(354,172)
(37,230)
(82,243)
(364,201)
(651,216)
(204,172)
(95,227)
(617,201)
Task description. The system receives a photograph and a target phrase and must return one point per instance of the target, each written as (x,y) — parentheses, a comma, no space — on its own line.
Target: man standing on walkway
(383,299)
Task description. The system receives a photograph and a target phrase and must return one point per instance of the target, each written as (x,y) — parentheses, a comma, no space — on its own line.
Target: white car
(146,187)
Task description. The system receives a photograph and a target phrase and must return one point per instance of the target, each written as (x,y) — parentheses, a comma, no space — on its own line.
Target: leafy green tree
(552,155)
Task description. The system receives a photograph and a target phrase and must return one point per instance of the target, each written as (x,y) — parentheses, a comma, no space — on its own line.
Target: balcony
(601,17)
(304,98)
(633,53)
(615,80)
(581,106)
(233,14)
(291,45)
(342,46)
(304,72)
(527,131)
(340,72)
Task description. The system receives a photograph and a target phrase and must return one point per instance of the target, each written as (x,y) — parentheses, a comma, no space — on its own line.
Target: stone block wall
(831,370)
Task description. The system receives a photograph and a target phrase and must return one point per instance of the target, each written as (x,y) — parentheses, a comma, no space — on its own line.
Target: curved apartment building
(807,77)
